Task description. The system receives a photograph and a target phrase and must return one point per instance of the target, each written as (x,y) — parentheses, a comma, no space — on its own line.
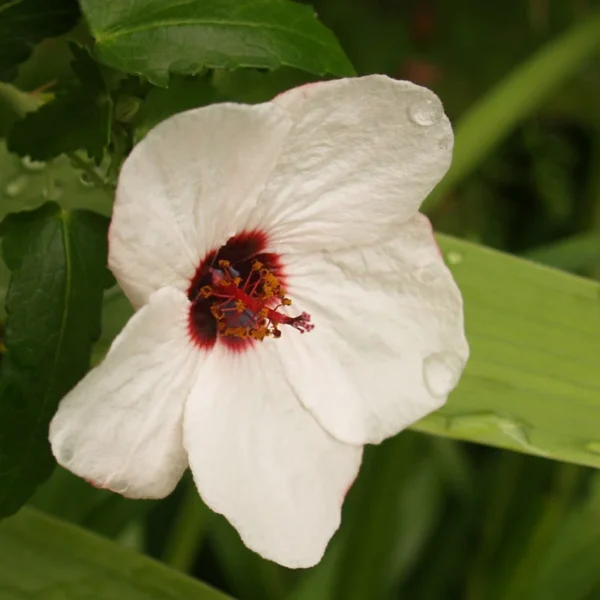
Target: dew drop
(33,165)
(593,447)
(441,372)
(454,258)
(118,486)
(66,453)
(426,112)
(53,193)
(16,186)
(428,273)
(86,180)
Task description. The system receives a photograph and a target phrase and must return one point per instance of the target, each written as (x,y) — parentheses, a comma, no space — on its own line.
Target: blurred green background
(428,518)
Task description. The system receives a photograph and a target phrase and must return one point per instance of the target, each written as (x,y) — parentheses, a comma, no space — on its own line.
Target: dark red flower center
(238,295)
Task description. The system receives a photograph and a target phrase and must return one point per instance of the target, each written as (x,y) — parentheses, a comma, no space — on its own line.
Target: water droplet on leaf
(33,165)
(593,447)
(54,192)
(495,429)
(441,372)
(16,186)
(454,258)
(86,180)
(426,113)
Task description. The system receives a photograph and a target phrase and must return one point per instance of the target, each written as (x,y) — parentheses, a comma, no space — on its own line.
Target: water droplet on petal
(454,258)
(118,486)
(16,186)
(33,165)
(65,453)
(426,112)
(428,273)
(441,372)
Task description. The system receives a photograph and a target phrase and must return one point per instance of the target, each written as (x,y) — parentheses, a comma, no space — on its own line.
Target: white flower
(224,213)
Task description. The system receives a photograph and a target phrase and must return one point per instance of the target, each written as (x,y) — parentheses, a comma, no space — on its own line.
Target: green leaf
(13,105)
(320,581)
(58,264)
(532,383)
(513,99)
(580,251)
(45,559)
(367,564)
(188,530)
(25,185)
(154,38)
(78,118)
(569,566)
(182,94)
(250,576)
(24,23)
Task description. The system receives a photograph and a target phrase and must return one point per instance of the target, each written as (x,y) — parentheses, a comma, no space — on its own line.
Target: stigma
(250,306)
(238,296)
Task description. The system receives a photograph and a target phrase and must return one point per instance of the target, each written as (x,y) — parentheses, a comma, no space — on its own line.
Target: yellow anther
(257,265)
(240,306)
(286,301)
(206,291)
(217,313)
(224,264)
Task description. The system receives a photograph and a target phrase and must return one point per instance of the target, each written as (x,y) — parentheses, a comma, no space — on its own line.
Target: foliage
(429,517)
(57,259)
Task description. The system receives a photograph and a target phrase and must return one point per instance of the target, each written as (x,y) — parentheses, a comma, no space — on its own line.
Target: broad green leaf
(78,118)
(182,94)
(46,559)
(580,251)
(58,264)
(514,98)
(13,105)
(25,184)
(71,498)
(154,38)
(532,383)
(24,23)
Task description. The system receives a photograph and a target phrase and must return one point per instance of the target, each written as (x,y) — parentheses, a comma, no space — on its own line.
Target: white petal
(185,188)
(388,344)
(363,155)
(262,460)
(121,426)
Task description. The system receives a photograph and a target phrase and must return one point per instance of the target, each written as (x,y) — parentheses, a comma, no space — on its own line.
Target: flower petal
(259,458)
(185,188)
(361,158)
(120,427)
(388,344)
